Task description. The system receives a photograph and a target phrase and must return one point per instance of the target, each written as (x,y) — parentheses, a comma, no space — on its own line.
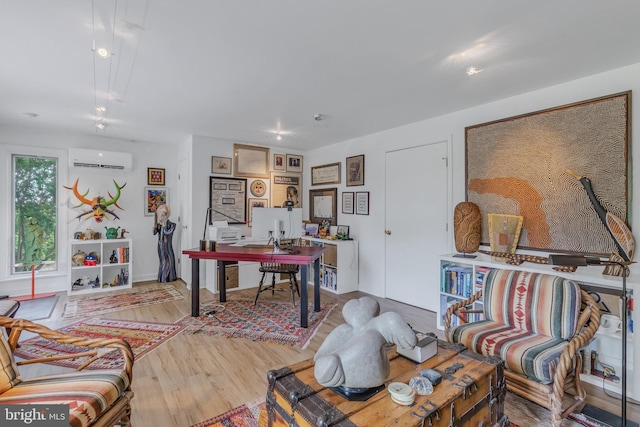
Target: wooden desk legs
(195,287)
(304,294)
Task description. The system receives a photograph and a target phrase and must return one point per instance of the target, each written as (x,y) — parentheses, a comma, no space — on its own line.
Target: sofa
(537,324)
(95,397)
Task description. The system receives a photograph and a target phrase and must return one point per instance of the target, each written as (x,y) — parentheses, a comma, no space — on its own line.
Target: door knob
(185,226)
(387,232)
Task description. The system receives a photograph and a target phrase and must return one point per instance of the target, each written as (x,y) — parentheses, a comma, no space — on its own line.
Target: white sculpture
(354,354)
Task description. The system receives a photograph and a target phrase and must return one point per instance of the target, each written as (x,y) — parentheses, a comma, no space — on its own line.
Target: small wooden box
(232,276)
(472,395)
(330,256)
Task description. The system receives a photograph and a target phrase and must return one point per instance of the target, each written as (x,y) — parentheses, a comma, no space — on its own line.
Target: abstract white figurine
(354,355)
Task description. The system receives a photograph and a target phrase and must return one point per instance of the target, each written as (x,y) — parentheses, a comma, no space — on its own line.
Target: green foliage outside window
(35,210)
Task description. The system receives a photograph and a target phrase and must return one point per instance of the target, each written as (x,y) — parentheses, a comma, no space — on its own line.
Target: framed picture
(155,176)
(294,163)
(256,203)
(154,197)
(362,203)
(322,205)
(228,200)
(286,186)
(534,165)
(342,232)
(347,202)
(279,162)
(311,229)
(325,174)
(221,165)
(355,170)
(258,188)
(250,161)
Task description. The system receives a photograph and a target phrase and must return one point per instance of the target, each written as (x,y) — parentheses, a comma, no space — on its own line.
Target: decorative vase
(466,227)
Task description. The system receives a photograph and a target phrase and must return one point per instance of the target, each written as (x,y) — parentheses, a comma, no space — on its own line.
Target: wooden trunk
(471,396)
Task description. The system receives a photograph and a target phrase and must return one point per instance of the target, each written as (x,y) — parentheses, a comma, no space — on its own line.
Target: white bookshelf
(105,275)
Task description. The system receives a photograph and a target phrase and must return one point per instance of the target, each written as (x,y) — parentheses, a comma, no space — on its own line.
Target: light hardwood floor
(195,377)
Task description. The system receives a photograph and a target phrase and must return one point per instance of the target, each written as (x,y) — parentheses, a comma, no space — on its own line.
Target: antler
(117,196)
(80,197)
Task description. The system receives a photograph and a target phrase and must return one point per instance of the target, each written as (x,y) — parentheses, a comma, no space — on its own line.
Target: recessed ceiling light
(318,117)
(473,70)
(100,109)
(279,137)
(101,125)
(103,52)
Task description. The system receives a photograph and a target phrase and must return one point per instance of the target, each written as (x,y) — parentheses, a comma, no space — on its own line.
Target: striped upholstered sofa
(95,397)
(537,324)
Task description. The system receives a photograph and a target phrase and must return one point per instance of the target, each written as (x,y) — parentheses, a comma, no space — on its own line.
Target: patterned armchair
(537,324)
(95,397)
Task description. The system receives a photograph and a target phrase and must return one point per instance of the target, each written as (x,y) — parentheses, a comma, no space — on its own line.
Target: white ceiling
(244,69)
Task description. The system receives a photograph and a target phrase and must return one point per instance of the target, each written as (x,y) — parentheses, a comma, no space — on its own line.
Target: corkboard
(519,166)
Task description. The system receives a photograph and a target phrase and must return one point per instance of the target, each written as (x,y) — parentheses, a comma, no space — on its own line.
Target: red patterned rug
(252,414)
(268,321)
(141,336)
(91,305)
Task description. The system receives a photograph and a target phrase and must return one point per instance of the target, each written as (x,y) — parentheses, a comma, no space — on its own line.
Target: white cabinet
(111,270)
(605,289)
(338,264)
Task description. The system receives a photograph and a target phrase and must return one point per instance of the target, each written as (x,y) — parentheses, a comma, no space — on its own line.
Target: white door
(417,200)
(184,264)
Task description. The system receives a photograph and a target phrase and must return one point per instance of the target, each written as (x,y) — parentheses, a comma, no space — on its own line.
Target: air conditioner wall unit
(85,158)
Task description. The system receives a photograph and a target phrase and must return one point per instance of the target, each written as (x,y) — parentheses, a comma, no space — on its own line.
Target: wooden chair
(536,323)
(291,270)
(96,397)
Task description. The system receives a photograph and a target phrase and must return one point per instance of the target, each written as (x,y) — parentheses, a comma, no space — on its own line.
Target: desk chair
(274,268)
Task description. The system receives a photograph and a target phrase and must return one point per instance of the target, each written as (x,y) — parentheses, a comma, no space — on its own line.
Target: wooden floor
(195,377)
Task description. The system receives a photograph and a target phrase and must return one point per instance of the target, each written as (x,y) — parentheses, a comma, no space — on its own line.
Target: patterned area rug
(107,303)
(268,321)
(141,336)
(252,414)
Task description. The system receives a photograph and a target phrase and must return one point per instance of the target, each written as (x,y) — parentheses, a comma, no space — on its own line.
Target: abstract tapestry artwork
(520,166)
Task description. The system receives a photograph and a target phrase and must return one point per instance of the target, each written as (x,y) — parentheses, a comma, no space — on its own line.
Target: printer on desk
(221,232)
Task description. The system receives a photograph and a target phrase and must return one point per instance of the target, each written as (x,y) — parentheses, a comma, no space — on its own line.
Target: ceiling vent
(82,158)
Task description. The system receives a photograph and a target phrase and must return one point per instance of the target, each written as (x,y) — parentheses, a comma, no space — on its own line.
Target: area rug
(252,414)
(141,336)
(37,308)
(276,322)
(108,303)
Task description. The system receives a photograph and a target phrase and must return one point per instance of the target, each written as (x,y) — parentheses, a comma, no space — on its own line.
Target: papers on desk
(251,242)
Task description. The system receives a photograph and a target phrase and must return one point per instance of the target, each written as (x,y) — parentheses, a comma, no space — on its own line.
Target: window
(35,202)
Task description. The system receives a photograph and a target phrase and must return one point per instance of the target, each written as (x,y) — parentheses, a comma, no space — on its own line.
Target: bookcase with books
(99,265)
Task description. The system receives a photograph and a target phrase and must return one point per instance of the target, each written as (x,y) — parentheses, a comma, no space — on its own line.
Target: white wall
(369,230)
(132,200)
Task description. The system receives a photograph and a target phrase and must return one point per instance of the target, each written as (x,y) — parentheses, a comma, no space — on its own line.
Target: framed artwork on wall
(154,196)
(279,162)
(322,206)
(537,165)
(221,165)
(355,170)
(347,202)
(362,203)
(155,176)
(250,161)
(286,186)
(325,174)
(228,200)
(294,163)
